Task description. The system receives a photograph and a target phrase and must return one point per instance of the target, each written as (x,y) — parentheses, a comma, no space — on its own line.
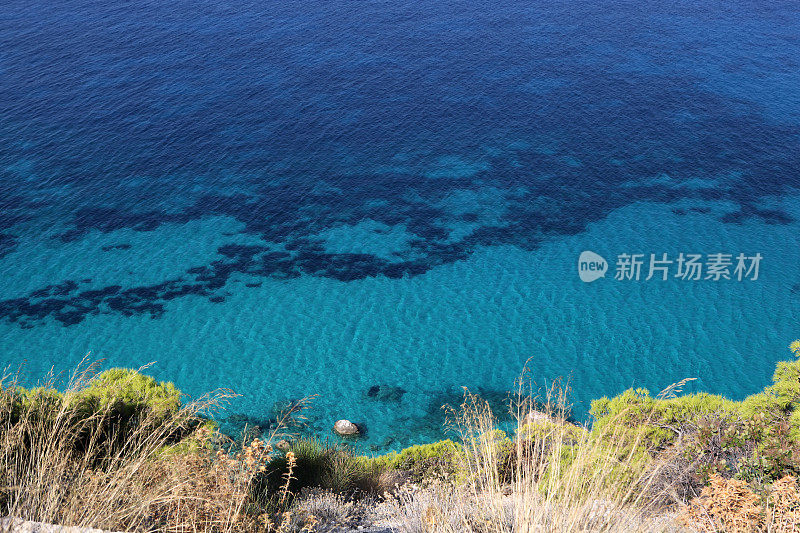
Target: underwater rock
(243,428)
(293,415)
(282,407)
(345,428)
(386,393)
(236,418)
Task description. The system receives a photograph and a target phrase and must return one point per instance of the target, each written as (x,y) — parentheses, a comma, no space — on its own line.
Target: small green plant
(314,464)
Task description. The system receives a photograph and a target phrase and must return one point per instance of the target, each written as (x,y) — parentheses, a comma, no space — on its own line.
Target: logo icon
(591,266)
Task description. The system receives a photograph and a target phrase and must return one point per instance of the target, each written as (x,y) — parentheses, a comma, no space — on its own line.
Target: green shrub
(38,403)
(113,406)
(567,432)
(425,460)
(200,440)
(762,402)
(756,439)
(128,394)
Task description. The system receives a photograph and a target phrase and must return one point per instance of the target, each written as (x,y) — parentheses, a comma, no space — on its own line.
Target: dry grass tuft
(551,476)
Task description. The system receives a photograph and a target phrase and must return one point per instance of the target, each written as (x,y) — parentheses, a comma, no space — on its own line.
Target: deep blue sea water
(380,202)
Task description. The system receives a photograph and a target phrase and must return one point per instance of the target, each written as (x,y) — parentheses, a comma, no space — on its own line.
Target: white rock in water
(345,428)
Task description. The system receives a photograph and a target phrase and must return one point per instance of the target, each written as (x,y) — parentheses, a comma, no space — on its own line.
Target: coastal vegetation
(119,450)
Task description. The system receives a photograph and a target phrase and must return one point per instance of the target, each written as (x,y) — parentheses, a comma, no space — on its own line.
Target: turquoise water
(471,323)
(378,203)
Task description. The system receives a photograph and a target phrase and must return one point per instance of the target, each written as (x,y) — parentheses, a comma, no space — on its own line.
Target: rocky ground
(336,516)
(17,525)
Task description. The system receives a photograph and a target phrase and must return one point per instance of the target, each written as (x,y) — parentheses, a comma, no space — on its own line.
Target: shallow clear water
(321,198)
